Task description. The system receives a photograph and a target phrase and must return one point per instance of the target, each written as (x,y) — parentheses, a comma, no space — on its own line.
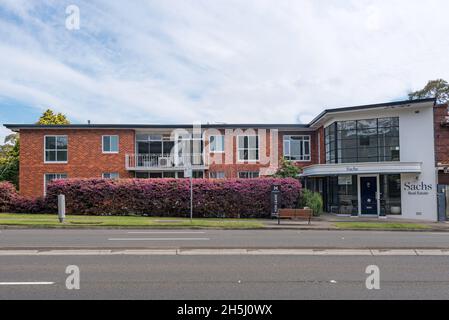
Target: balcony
(164,162)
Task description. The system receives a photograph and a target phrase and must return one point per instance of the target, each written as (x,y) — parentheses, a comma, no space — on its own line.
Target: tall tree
(9,160)
(438,89)
(49,117)
(9,151)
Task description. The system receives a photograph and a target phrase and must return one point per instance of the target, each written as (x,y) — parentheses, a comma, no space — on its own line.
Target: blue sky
(246,61)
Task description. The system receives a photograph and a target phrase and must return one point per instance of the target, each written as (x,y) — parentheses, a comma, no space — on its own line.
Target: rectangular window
(216,175)
(390,194)
(367,140)
(216,143)
(248,174)
(248,148)
(297,148)
(110,144)
(197,174)
(110,175)
(56,149)
(49,177)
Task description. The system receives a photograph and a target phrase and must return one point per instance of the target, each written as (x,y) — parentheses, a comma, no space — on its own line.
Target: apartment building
(373,160)
(157,151)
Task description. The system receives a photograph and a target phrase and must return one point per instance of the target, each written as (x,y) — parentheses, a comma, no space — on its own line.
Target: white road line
(159,239)
(166,232)
(25,283)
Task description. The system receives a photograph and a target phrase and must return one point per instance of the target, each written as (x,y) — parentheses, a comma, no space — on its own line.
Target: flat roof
(294,126)
(371,106)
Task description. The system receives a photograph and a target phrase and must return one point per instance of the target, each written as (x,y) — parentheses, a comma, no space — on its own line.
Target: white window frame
(216,173)
(116,174)
(222,145)
(239,149)
(55,174)
(247,173)
(56,150)
(287,153)
(118,143)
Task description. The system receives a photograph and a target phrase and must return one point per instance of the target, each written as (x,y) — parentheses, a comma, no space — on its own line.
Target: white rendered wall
(416,141)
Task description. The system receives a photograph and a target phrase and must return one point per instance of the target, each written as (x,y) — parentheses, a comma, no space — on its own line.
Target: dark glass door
(368,190)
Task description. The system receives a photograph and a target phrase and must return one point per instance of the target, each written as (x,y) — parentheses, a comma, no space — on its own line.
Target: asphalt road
(225,277)
(220,276)
(57,238)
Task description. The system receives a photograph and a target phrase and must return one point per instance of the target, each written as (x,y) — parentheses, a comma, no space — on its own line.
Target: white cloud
(225,60)
(3,133)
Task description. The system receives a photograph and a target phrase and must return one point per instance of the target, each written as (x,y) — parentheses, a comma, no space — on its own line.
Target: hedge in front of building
(11,201)
(245,198)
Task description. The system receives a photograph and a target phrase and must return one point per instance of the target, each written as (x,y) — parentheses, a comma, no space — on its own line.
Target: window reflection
(368,140)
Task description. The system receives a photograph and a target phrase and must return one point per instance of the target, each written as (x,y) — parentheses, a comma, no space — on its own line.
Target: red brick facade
(441,141)
(232,170)
(85,157)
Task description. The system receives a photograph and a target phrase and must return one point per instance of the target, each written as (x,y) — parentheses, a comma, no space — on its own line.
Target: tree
(49,118)
(9,151)
(9,160)
(438,89)
(287,170)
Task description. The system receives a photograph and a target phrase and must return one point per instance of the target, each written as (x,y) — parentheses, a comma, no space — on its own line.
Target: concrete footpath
(327,222)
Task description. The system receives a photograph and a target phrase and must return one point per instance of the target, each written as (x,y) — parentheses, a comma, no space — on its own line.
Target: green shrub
(313,200)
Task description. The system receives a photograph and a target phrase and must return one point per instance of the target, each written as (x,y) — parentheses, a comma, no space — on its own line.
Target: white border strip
(159,239)
(25,283)
(233,251)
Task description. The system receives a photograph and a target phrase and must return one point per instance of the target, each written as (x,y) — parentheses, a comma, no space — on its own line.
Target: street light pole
(188,172)
(191,198)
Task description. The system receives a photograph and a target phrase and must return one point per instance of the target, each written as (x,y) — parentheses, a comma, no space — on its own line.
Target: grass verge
(79,221)
(381,225)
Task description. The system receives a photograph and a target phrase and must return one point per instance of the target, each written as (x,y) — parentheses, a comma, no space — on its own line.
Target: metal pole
(61,207)
(191,198)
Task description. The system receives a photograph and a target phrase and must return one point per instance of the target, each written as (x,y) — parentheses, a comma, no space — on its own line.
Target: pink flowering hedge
(8,196)
(171,197)
(11,201)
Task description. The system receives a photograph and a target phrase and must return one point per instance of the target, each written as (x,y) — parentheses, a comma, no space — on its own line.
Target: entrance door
(368,192)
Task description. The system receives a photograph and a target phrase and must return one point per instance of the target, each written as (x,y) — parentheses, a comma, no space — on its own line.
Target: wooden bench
(295,214)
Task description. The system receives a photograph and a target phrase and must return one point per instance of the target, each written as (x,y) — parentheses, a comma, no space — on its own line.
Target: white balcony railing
(163,161)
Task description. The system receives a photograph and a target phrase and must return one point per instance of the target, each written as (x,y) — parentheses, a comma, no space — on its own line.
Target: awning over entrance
(361,168)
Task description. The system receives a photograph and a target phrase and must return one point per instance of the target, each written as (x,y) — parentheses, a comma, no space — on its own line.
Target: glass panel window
(197,174)
(110,175)
(216,143)
(110,144)
(248,174)
(49,177)
(341,194)
(56,148)
(390,194)
(216,175)
(248,148)
(297,148)
(142,175)
(367,140)
(156,147)
(169,174)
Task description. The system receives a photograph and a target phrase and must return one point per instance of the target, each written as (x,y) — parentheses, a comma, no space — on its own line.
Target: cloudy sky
(255,61)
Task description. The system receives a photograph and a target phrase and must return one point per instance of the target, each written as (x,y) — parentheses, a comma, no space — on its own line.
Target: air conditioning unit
(165,162)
